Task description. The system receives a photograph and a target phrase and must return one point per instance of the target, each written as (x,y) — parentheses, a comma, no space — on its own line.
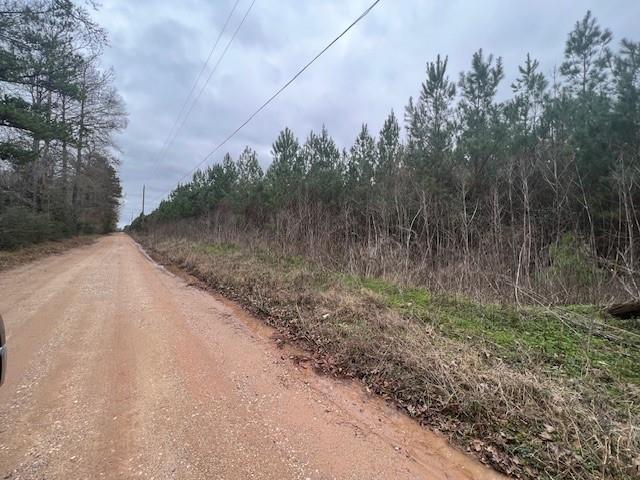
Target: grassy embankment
(20,256)
(536,392)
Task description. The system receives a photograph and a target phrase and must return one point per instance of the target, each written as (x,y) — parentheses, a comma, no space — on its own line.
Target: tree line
(59,110)
(534,197)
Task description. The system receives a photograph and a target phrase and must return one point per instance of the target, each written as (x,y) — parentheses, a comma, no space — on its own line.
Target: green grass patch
(223,248)
(288,262)
(560,342)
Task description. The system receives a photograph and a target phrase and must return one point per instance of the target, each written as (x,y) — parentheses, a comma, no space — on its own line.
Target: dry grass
(527,413)
(13,258)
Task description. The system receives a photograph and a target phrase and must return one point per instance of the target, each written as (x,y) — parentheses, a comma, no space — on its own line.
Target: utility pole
(143,199)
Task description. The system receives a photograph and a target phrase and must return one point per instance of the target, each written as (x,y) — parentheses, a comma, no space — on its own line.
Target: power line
(213,70)
(167,140)
(273,97)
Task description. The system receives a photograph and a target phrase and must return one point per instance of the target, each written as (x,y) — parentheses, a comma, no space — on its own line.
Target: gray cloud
(157,49)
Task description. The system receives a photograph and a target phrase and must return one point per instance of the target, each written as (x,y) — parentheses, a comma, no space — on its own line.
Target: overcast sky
(158,47)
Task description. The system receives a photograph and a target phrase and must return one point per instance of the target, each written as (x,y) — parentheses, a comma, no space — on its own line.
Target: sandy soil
(120,369)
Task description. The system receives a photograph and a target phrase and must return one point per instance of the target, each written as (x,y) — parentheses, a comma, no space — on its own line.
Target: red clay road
(119,369)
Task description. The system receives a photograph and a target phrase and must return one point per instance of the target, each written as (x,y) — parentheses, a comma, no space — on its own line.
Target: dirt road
(119,369)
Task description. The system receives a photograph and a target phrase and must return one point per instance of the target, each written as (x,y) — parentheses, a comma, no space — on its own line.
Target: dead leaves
(547,433)
(492,455)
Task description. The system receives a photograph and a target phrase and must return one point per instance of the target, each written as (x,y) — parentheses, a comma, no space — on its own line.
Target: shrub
(572,266)
(20,226)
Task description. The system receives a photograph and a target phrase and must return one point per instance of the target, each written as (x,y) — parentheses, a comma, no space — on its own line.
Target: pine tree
(431,127)
(627,101)
(285,174)
(248,193)
(324,169)
(389,149)
(480,140)
(361,161)
(586,68)
(587,56)
(528,104)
